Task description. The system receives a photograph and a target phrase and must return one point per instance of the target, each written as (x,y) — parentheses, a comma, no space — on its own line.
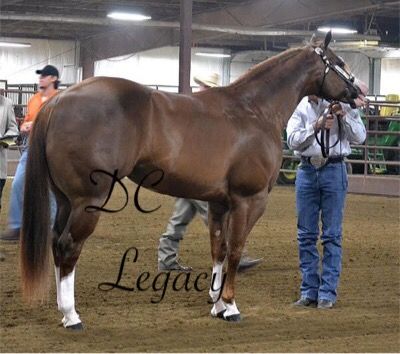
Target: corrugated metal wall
(18,65)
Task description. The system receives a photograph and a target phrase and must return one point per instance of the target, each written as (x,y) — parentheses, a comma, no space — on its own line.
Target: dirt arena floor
(365,319)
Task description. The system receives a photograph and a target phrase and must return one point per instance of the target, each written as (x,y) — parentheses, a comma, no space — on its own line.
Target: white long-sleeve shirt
(300,130)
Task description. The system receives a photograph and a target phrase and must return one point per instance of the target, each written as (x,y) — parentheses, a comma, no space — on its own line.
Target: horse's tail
(35,233)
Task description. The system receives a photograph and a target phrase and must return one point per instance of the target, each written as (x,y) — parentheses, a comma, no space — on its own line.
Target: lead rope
(325,133)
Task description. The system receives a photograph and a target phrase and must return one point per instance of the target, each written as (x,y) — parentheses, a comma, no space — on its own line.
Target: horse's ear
(313,40)
(328,38)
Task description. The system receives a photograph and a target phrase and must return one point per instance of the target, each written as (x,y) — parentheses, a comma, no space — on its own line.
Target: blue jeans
(17,196)
(320,191)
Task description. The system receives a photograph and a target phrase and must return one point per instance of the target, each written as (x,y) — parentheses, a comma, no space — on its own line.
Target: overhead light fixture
(336,30)
(213,55)
(126,16)
(14,44)
(360,44)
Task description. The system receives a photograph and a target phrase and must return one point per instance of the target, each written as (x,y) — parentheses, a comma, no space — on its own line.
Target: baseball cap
(48,70)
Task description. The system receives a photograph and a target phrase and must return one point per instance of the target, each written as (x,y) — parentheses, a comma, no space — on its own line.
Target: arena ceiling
(233,24)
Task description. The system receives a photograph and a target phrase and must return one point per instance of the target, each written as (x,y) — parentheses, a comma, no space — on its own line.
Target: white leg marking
(215,289)
(66,299)
(231,309)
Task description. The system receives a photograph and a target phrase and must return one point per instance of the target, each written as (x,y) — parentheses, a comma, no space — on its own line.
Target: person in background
(8,129)
(184,212)
(321,187)
(48,84)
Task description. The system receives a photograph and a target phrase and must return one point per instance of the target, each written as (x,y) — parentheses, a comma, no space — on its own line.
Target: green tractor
(386,123)
(289,164)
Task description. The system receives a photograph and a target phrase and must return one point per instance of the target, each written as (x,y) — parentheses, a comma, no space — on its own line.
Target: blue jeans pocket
(336,175)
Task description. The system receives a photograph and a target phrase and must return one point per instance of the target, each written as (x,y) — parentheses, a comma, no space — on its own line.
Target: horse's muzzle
(354,91)
(351,94)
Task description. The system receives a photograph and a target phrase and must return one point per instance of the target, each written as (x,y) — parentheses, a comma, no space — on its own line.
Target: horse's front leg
(217,220)
(244,214)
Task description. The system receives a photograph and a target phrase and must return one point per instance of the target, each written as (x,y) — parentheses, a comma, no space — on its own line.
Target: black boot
(247,263)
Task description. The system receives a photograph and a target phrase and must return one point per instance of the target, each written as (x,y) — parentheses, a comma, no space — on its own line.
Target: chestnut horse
(222,145)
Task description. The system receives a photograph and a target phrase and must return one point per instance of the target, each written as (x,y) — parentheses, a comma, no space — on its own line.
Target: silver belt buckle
(318,161)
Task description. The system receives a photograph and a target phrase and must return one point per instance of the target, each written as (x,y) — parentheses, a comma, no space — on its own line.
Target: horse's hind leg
(218,222)
(77,225)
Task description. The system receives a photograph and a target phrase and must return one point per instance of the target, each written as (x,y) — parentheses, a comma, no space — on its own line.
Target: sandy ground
(365,319)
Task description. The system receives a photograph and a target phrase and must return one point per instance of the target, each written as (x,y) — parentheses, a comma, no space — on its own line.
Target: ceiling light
(14,44)
(364,43)
(125,16)
(213,55)
(337,30)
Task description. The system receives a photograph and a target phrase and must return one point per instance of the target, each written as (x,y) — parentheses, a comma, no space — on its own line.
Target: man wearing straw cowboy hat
(184,212)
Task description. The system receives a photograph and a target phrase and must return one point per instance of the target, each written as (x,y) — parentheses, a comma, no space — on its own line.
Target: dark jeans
(2,183)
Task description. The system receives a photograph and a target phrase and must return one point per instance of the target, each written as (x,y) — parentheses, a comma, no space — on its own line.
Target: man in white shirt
(321,186)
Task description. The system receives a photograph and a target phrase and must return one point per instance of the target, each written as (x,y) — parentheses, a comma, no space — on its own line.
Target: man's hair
(56,84)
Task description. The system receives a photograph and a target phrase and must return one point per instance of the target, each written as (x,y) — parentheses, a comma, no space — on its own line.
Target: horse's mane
(267,64)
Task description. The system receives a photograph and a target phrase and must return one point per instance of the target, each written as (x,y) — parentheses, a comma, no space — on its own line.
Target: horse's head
(335,79)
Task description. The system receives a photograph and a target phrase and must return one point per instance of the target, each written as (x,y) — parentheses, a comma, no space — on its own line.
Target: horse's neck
(277,86)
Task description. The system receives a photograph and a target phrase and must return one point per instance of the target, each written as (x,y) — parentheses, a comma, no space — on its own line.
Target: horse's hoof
(75,327)
(219,314)
(233,318)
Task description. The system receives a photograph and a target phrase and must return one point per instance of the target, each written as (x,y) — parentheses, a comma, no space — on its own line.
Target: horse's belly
(179,184)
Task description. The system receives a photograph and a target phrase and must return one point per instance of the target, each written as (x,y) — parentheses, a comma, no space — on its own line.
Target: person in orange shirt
(48,84)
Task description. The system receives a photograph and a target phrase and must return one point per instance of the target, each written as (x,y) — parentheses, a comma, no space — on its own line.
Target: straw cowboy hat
(211,80)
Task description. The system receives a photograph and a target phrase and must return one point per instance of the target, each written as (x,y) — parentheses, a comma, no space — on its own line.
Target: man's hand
(337,110)
(26,127)
(328,122)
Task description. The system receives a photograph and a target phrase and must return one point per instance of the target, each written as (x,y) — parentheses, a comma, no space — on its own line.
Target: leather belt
(319,161)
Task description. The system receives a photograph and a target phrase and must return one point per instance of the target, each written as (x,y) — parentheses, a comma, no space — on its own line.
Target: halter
(348,78)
